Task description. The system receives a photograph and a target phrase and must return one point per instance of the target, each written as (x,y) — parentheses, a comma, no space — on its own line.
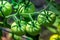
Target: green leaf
(52,8)
(52,29)
(57,22)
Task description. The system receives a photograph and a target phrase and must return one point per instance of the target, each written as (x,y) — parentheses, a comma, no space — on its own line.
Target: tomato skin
(26,9)
(31,30)
(46,18)
(18,30)
(6,9)
(54,37)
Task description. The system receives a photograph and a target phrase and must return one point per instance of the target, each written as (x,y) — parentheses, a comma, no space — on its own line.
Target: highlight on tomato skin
(6,8)
(54,37)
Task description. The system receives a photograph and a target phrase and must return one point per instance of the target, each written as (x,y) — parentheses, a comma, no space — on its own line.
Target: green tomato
(33,30)
(17,29)
(25,10)
(46,18)
(6,8)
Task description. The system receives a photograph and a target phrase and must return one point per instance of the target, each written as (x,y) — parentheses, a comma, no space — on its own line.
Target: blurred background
(39,4)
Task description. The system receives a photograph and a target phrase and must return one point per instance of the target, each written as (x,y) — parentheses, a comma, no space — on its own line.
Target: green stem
(13,36)
(11,15)
(13,2)
(18,11)
(31,17)
(32,20)
(17,21)
(27,3)
(6,23)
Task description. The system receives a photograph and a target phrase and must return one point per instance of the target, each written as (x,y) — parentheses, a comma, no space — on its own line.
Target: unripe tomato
(55,37)
(46,18)
(24,9)
(18,30)
(6,8)
(33,30)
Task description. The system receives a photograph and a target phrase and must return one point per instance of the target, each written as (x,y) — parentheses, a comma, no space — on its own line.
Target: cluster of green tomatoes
(32,27)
